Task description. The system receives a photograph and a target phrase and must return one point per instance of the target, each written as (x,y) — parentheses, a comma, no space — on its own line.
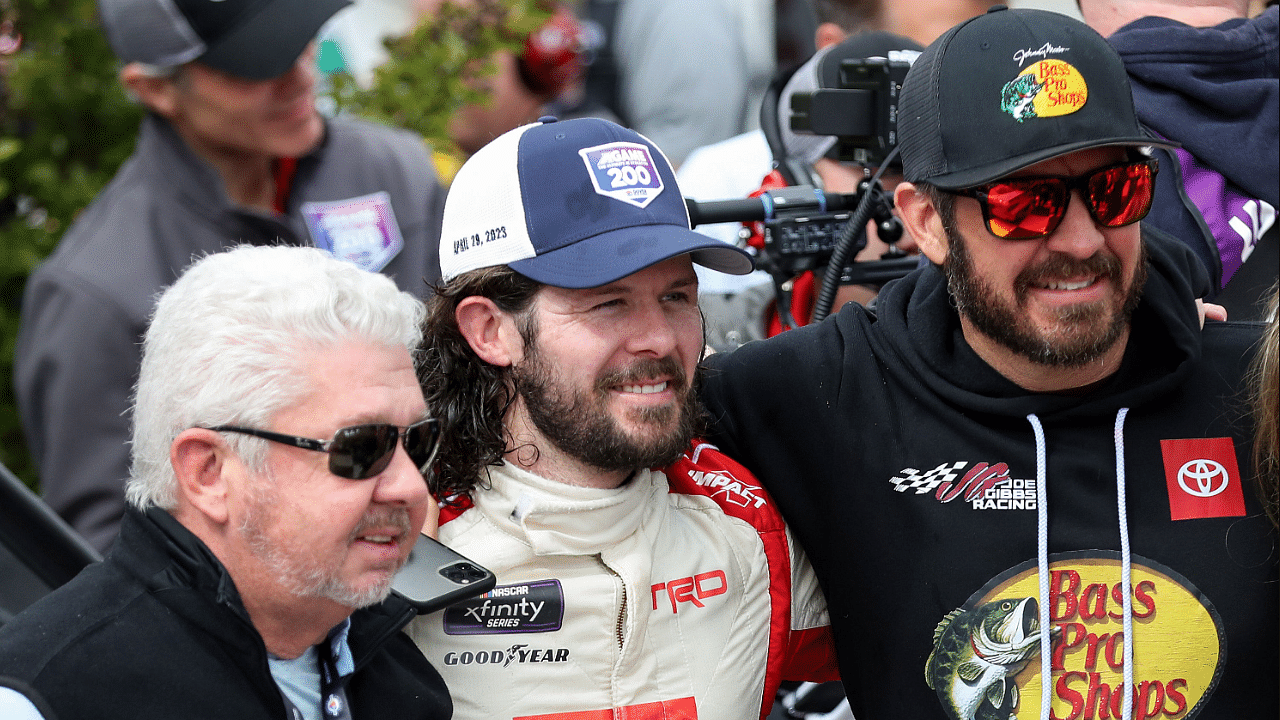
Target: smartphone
(436,577)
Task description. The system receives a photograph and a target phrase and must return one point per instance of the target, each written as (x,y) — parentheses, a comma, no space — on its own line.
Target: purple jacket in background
(1216,91)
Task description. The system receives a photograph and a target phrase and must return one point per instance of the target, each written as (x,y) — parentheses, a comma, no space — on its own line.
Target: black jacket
(907,468)
(157,630)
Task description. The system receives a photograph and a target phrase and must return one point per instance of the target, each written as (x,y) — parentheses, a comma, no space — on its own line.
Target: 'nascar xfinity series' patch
(531,607)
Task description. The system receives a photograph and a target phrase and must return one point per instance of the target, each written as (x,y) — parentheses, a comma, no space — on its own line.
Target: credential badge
(361,230)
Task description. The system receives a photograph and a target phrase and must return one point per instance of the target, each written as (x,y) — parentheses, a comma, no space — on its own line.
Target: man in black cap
(1019,481)
(232,150)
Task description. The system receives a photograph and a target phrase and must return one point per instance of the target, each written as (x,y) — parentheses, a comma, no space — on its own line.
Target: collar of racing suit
(562,519)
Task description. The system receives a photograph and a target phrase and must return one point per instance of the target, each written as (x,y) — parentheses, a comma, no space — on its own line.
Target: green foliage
(65,128)
(430,72)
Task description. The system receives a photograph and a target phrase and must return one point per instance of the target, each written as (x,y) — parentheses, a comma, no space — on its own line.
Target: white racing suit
(679,595)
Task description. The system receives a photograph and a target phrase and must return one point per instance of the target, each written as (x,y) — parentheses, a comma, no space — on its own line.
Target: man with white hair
(270,505)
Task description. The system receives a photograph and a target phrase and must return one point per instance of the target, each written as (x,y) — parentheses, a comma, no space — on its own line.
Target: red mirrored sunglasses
(1025,208)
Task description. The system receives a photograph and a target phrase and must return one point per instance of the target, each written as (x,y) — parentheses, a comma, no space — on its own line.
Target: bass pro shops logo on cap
(1047,88)
(623,171)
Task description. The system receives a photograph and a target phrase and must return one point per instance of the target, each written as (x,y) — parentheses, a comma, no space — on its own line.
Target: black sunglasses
(362,451)
(1026,208)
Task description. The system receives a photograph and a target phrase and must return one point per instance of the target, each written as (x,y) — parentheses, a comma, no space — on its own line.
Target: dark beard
(1009,327)
(580,425)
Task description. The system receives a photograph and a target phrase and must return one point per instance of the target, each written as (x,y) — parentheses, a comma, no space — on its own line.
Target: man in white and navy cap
(639,570)
(232,150)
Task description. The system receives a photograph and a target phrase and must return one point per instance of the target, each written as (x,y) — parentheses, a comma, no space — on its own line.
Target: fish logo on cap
(1047,88)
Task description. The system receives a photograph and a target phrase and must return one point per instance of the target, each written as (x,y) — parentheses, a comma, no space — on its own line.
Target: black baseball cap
(1009,89)
(249,39)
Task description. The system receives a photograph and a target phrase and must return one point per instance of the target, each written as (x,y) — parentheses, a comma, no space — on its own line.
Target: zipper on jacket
(622,617)
(618,629)
(619,634)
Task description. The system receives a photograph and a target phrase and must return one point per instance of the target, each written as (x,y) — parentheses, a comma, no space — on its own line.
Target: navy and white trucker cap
(572,204)
(249,39)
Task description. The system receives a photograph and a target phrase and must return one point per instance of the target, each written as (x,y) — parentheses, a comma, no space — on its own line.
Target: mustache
(646,369)
(1059,267)
(397,518)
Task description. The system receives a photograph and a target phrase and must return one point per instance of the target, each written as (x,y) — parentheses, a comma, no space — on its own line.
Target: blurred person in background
(1206,73)
(691,73)
(742,309)
(231,150)
(545,76)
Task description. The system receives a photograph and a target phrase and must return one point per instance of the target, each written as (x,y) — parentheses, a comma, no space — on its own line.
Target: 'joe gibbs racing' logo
(984,486)
(623,171)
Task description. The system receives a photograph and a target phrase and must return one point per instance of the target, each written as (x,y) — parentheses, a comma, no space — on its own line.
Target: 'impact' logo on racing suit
(723,483)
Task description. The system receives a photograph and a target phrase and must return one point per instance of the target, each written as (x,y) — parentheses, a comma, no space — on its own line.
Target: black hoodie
(157,630)
(907,467)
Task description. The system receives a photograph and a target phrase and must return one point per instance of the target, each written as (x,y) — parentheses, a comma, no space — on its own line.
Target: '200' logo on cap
(623,171)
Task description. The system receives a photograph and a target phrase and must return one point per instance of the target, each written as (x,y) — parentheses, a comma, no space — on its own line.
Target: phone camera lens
(462,573)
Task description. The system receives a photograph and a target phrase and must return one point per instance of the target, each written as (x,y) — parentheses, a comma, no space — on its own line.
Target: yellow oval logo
(1045,89)
(1178,640)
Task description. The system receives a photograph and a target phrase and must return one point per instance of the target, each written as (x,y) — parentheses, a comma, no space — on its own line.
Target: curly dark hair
(468,395)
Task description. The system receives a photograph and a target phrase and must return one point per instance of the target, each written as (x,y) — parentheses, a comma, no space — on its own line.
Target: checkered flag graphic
(921,483)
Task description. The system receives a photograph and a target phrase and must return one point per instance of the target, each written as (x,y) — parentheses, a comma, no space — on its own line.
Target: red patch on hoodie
(1203,478)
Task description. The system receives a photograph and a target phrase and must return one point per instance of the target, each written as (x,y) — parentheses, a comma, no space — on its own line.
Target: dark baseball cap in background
(249,39)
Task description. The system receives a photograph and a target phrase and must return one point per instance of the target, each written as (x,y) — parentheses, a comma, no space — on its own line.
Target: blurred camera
(861,112)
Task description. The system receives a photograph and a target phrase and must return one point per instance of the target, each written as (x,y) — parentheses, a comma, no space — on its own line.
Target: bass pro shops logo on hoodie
(985,661)
(984,486)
